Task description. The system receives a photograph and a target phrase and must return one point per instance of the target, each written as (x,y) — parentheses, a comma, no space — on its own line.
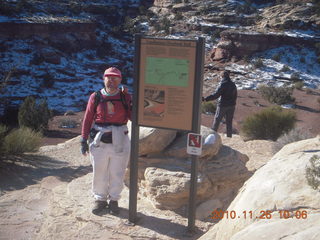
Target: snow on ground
(280,65)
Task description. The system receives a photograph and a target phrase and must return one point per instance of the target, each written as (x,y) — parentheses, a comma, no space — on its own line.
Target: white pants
(108,170)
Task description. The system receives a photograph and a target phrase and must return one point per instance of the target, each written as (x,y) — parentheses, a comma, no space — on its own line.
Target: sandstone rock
(227,172)
(238,44)
(288,16)
(166,179)
(258,151)
(154,140)
(170,189)
(279,185)
(163,3)
(206,208)
(178,149)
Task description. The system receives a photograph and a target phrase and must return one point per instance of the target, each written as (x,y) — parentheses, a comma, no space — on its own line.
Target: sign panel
(166,83)
(194,145)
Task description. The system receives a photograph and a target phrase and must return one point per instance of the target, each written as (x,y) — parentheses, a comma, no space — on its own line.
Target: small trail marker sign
(194,146)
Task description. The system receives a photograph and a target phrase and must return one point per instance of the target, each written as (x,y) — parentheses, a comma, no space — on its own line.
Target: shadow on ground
(18,172)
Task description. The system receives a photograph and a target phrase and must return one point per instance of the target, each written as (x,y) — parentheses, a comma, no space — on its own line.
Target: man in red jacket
(105,121)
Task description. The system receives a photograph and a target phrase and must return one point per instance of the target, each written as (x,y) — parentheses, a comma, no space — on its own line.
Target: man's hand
(84,146)
(203,99)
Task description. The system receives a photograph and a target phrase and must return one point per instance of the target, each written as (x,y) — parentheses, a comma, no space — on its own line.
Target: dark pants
(220,113)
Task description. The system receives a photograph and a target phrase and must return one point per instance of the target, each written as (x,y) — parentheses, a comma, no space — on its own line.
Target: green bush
(295,77)
(285,68)
(277,95)
(316,7)
(67,123)
(269,123)
(33,115)
(3,132)
(208,107)
(298,85)
(21,140)
(258,63)
(276,57)
(313,172)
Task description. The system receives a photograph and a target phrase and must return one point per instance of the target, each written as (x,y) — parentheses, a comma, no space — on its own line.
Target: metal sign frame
(195,128)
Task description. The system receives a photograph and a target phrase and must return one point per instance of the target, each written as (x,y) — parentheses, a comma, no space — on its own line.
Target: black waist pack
(106,137)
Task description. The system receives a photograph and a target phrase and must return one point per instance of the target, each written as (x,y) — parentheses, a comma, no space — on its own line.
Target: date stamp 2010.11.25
(262,214)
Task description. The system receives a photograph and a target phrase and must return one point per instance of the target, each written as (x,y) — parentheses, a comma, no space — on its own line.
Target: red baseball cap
(112,71)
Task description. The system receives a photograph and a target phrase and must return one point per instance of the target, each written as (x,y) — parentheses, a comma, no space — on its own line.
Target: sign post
(168,75)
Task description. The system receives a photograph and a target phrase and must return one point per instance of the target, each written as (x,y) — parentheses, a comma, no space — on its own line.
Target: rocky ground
(47,196)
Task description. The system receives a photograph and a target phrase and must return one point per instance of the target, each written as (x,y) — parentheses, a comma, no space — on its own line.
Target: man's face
(112,82)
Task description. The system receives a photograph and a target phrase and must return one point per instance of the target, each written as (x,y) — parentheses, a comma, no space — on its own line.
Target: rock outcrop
(164,176)
(276,202)
(239,43)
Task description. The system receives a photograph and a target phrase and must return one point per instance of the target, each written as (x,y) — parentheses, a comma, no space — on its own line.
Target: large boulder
(170,189)
(153,140)
(166,181)
(278,186)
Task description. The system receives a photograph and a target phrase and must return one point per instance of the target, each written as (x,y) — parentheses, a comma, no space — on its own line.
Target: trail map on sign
(167,71)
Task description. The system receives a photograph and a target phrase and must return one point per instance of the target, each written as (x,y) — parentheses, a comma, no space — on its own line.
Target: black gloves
(84,146)
(203,99)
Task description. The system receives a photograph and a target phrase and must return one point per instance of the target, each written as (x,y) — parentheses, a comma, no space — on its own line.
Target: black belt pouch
(93,133)
(106,137)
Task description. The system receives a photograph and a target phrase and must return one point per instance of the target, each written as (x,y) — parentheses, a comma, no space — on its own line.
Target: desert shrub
(67,123)
(298,85)
(313,172)
(276,57)
(295,77)
(208,107)
(269,123)
(316,7)
(163,24)
(33,115)
(3,132)
(258,63)
(277,95)
(285,68)
(21,140)
(293,135)
(246,58)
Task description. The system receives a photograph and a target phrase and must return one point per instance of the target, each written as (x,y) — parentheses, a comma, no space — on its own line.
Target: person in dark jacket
(227,92)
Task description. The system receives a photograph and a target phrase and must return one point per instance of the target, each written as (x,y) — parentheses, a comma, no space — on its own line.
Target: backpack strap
(97,99)
(123,100)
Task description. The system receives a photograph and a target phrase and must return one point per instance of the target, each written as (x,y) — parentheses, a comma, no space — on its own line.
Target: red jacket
(111,111)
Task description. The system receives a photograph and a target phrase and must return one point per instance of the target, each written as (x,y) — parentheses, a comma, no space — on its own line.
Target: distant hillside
(59,51)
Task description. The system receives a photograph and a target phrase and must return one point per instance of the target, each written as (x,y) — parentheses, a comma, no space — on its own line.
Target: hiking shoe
(99,206)
(114,208)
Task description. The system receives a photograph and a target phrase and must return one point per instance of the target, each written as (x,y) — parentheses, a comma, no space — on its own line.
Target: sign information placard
(166,83)
(194,144)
